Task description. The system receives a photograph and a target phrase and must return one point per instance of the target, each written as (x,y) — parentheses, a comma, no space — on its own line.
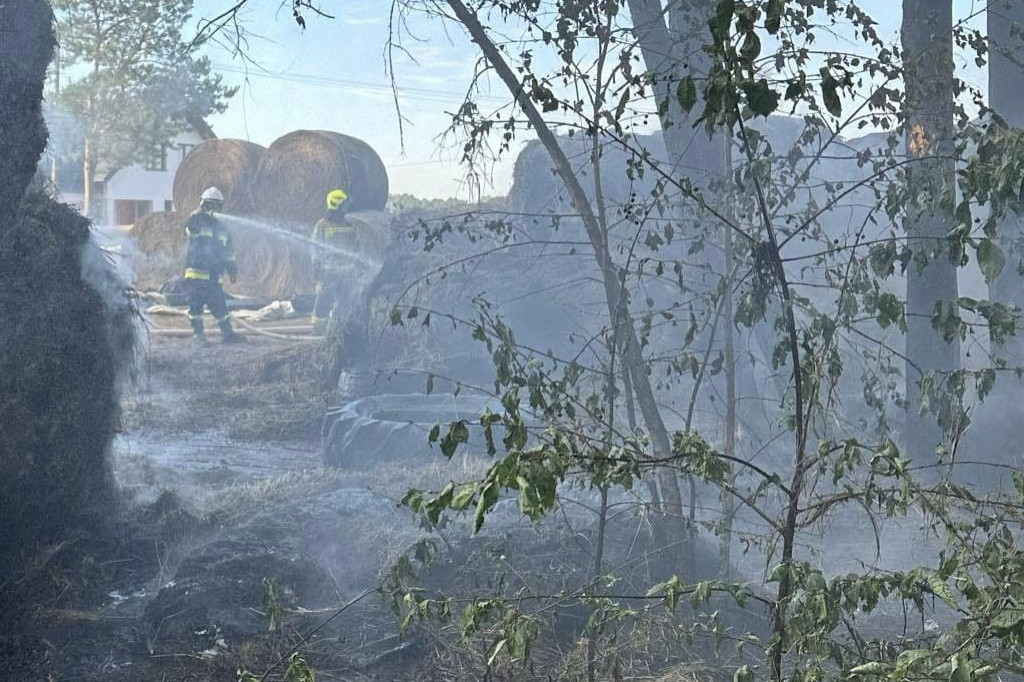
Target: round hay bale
(298,170)
(160,249)
(228,165)
(270,265)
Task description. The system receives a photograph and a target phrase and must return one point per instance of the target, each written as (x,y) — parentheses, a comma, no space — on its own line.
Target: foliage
(129,77)
(827,292)
(820,260)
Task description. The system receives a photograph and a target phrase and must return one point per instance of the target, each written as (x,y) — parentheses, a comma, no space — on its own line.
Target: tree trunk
(928,57)
(670,42)
(618,306)
(728,501)
(88,172)
(1006,96)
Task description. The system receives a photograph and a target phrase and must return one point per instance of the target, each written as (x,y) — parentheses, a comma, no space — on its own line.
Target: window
(158,159)
(129,211)
(168,205)
(185,149)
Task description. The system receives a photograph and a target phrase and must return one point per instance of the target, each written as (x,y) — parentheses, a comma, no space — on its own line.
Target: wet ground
(240,541)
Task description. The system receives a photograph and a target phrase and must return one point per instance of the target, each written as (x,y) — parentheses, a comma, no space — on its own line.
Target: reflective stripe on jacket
(210,251)
(334,235)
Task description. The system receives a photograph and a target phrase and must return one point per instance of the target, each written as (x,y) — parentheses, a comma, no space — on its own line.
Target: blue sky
(333,76)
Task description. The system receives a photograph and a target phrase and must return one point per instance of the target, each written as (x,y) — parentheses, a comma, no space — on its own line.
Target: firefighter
(210,255)
(330,263)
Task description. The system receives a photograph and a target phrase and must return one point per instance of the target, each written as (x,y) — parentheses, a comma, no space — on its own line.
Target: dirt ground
(235,541)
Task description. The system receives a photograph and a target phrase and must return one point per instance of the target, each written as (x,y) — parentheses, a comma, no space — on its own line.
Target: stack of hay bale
(279,189)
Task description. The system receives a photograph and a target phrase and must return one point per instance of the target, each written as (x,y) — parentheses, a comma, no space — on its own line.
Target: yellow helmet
(335,198)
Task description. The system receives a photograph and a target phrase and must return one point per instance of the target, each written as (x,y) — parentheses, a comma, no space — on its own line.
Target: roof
(199,124)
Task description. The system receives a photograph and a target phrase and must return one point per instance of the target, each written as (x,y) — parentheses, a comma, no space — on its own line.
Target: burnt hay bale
(160,249)
(229,165)
(62,350)
(298,170)
(26,47)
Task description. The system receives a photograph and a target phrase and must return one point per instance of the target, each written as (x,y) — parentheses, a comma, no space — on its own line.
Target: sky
(332,75)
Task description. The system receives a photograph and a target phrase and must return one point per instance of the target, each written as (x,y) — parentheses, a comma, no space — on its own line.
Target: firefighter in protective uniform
(330,264)
(210,255)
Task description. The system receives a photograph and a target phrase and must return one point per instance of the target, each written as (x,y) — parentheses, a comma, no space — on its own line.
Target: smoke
(270,228)
(106,269)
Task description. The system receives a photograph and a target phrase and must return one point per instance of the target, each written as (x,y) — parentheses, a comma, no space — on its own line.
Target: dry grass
(229,165)
(240,502)
(298,170)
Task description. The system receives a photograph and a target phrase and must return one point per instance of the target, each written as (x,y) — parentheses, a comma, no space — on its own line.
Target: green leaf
(457,434)
(298,670)
(722,21)
(487,500)
(872,668)
(761,99)
(620,109)
(686,93)
(939,587)
(743,674)
(890,310)
(462,499)
(496,650)
(907,660)
(990,259)
(830,93)
(961,670)
(773,16)
(1018,482)
(751,48)
(1007,619)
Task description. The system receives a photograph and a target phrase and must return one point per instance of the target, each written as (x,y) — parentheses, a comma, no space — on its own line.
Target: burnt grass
(83,608)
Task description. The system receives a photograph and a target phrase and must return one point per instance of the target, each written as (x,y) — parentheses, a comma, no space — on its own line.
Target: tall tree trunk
(670,39)
(728,501)
(1006,96)
(615,296)
(928,58)
(88,173)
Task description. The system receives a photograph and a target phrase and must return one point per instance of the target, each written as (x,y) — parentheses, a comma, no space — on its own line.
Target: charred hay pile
(67,333)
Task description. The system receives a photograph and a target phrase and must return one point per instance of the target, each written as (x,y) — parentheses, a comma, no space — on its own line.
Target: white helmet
(212,194)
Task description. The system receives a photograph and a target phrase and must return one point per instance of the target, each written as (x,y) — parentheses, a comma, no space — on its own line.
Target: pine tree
(130,78)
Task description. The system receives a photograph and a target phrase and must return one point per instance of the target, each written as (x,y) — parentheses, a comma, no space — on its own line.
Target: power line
(421,94)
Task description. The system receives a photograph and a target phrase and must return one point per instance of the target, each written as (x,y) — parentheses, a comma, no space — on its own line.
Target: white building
(132,192)
(121,196)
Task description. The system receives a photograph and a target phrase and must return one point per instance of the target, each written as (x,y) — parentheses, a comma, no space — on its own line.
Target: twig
(318,628)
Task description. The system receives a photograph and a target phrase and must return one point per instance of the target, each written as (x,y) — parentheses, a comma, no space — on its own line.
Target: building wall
(135,190)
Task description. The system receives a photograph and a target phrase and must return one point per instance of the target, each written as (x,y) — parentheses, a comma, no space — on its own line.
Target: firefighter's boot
(198,337)
(229,335)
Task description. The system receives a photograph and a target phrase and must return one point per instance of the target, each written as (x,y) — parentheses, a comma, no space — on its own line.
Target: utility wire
(422,94)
